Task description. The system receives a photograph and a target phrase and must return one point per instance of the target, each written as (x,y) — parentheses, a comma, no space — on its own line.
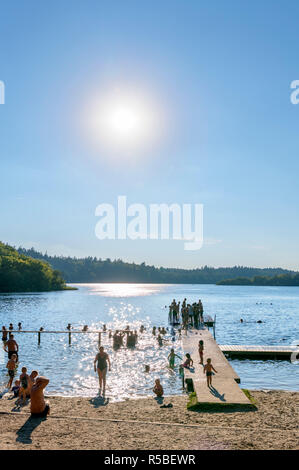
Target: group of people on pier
(186,314)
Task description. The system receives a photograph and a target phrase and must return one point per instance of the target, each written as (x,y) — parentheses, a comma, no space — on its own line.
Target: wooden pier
(225,389)
(259,352)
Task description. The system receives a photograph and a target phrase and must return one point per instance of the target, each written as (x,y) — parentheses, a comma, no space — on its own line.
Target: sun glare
(124,121)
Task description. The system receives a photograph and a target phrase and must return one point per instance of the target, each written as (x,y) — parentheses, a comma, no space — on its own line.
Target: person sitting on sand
(39,407)
(158,389)
(171,358)
(11,366)
(188,362)
(25,384)
(208,368)
(200,351)
(16,389)
(101,359)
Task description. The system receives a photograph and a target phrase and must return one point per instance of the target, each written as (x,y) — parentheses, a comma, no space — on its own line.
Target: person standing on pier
(200,351)
(208,368)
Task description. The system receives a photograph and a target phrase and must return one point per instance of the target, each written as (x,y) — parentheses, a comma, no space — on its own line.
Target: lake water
(70,368)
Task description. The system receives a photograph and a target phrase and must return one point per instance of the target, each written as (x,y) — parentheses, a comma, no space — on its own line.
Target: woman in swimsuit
(101,359)
(200,351)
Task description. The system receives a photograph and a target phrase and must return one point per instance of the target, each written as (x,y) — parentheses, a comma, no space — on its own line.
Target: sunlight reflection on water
(70,368)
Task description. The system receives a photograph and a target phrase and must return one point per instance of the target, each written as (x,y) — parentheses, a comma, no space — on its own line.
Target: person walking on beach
(11,366)
(11,347)
(208,368)
(39,407)
(101,367)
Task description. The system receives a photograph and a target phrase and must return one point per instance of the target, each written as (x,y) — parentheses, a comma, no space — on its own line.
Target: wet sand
(75,423)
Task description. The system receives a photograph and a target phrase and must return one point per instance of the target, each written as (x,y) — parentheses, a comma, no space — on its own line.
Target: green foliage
(19,273)
(287,279)
(93,269)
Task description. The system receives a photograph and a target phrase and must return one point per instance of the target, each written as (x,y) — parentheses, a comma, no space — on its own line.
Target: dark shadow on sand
(19,405)
(99,401)
(24,433)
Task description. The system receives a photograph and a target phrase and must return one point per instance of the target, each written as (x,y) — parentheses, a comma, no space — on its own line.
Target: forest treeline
(91,269)
(21,273)
(278,280)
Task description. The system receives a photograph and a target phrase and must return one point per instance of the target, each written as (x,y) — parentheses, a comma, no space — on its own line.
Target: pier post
(38,341)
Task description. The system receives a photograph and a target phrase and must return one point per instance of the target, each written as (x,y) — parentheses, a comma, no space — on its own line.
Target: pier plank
(225,389)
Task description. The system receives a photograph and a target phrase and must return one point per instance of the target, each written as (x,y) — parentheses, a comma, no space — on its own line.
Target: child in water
(158,389)
(11,366)
(208,368)
(188,362)
(171,358)
(200,350)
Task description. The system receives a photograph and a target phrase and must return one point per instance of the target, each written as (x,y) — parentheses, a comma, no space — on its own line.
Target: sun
(124,120)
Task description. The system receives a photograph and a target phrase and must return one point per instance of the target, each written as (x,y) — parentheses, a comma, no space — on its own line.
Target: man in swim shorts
(11,347)
(39,407)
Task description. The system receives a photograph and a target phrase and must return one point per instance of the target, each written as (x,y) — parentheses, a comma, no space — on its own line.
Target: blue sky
(221,74)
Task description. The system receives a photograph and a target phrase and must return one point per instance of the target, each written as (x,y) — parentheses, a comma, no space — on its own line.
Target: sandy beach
(83,423)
